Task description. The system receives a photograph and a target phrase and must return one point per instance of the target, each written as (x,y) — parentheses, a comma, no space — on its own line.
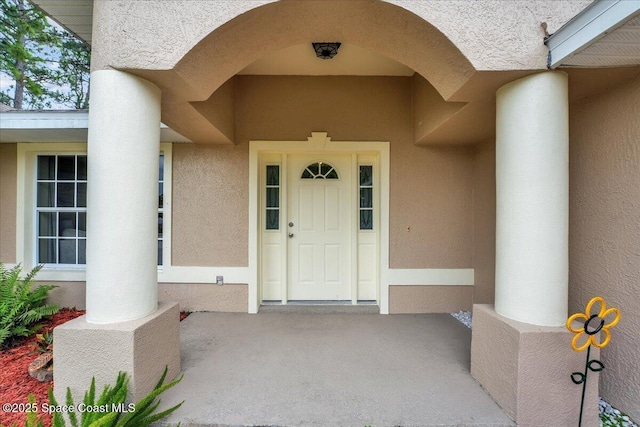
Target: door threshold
(320,307)
(320,302)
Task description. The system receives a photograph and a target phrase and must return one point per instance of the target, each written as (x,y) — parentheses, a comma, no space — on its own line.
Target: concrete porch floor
(292,369)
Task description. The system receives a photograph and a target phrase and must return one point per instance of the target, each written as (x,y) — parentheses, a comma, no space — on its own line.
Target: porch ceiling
(75,15)
(300,60)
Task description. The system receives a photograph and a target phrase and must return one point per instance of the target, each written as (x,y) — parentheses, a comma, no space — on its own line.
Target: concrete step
(315,307)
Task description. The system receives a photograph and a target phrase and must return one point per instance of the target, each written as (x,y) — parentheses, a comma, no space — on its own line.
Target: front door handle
(290,235)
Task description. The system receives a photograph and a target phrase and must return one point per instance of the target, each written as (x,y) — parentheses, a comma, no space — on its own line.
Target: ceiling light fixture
(326,50)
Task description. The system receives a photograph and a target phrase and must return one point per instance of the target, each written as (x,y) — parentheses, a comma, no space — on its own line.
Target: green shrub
(21,307)
(118,414)
(113,398)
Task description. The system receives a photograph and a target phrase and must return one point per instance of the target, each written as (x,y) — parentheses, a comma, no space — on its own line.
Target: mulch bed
(15,382)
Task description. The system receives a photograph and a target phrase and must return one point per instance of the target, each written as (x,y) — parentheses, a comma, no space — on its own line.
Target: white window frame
(59,210)
(26,224)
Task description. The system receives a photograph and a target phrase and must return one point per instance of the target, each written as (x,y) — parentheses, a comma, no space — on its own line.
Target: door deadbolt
(291,224)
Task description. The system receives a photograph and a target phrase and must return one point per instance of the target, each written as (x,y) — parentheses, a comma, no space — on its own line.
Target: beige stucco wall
(67,294)
(230,298)
(604,230)
(484,222)
(491,34)
(431,210)
(189,296)
(210,205)
(8,181)
(429,299)
(526,370)
(191,48)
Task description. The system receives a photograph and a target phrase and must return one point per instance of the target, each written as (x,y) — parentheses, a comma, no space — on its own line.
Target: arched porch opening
(198,94)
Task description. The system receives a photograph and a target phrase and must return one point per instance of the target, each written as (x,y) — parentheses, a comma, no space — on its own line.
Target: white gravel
(609,416)
(464,317)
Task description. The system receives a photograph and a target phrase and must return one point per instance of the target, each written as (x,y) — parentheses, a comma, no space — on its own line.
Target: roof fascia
(594,22)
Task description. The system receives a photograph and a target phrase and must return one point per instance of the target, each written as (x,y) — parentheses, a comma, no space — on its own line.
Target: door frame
(318,142)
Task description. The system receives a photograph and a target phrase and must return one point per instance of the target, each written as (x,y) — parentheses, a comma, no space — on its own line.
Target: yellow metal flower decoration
(587,334)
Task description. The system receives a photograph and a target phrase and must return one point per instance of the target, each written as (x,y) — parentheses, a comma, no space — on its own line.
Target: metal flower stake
(587,334)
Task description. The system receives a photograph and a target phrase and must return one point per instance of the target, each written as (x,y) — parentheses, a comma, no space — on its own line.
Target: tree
(26,42)
(73,72)
(48,67)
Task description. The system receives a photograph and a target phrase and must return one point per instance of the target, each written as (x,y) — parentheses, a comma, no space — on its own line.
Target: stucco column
(532,186)
(122,205)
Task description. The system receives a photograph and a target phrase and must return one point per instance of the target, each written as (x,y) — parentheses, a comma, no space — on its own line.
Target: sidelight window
(366,197)
(273,198)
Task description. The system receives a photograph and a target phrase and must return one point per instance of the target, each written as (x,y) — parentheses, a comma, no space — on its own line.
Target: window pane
(332,175)
(366,197)
(81,199)
(46,194)
(314,169)
(273,197)
(273,219)
(160,195)
(65,196)
(159,252)
(325,168)
(47,251)
(47,224)
(366,220)
(67,251)
(366,175)
(273,175)
(82,224)
(66,168)
(82,251)
(306,174)
(67,224)
(161,170)
(46,167)
(82,167)
(160,219)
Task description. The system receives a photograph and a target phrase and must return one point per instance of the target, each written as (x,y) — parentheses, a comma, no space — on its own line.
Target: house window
(61,209)
(366,197)
(272,220)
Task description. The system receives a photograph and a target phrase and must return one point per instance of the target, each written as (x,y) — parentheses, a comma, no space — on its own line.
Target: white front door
(319,227)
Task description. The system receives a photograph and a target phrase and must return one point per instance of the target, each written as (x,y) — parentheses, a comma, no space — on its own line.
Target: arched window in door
(319,170)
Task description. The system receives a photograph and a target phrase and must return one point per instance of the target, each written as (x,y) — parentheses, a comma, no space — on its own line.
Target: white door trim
(318,142)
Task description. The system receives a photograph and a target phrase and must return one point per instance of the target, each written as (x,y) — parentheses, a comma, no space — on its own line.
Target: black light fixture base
(326,50)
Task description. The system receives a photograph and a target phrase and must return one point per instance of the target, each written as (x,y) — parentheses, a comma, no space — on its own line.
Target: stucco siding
(210,205)
(604,228)
(8,194)
(230,298)
(165,30)
(431,208)
(430,188)
(429,299)
(67,294)
(484,222)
